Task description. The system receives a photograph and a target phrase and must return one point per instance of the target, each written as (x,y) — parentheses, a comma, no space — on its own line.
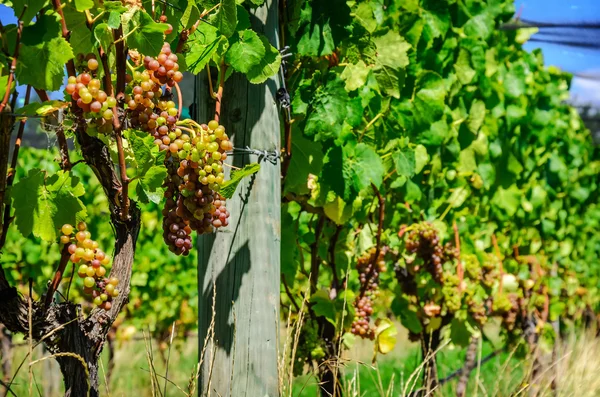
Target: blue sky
(574,60)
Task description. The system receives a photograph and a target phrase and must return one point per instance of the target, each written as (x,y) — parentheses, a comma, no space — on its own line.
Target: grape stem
(210,84)
(7,219)
(13,65)
(179,100)
(459,267)
(497,248)
(219,95)
(53,286)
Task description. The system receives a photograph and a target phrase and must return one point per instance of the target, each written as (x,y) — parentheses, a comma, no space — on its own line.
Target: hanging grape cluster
(424,241)
(92,261)
(96,105)
(369,269)
(195,153)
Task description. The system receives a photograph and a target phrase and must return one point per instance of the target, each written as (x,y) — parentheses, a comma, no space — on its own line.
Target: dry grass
(575,370)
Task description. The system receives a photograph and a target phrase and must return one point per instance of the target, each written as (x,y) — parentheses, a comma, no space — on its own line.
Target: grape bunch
(369,269)
(85,91)
(92,261)
(191,190)
(507,307)
(425,242)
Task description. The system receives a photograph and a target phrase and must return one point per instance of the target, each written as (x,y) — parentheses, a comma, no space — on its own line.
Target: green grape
(89,282)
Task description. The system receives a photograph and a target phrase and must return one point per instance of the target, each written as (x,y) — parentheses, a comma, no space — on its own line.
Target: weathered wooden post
(242,261)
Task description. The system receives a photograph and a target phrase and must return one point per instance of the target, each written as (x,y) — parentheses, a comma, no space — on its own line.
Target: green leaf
(226,18)
(404,160)
(385,336)
(82,5)
(245,52)
(33,7)
(103,35)
(143,149)
(81,36)
(476,116)
(464,71)
(203,43)
(390,80)
(149,186)
(268,65)
(421,158)
(322,306)
(42,65)
(228,187)
(43,205)
(144,35)
(3,83)
(392,50)
(307,159)
(328,110)
(507,200)
(362,166)
(355,76)
(430,97)
(41,109)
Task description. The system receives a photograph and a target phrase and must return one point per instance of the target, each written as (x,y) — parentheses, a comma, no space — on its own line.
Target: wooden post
(242,261)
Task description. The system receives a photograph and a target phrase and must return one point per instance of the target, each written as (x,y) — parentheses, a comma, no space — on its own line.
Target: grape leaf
(385,337)
(404,160)
(429,98)
(268,65)
(322,306)
(355,76)
(421,158)
(103,35)
(245,52)
(328,110)
(149,185)
(307,159)
(203,43)
(144,150)
(143,34)
(81,36)
(43,205)
(82,5)
(228,187)
(392,50)
(42,65)
(41,109)
(31,8)
(226,18)
(362,166)
(3,83)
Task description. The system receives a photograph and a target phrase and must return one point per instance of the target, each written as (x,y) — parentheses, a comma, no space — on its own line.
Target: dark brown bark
(5,358)
(470,362)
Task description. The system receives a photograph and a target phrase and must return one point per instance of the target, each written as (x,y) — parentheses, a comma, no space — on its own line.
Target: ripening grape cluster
(191,189)
(425,242)
(85,90)
(92,261)
(369,269)
(507,306)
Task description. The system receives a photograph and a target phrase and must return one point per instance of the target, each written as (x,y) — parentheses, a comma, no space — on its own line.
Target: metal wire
(271,156)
